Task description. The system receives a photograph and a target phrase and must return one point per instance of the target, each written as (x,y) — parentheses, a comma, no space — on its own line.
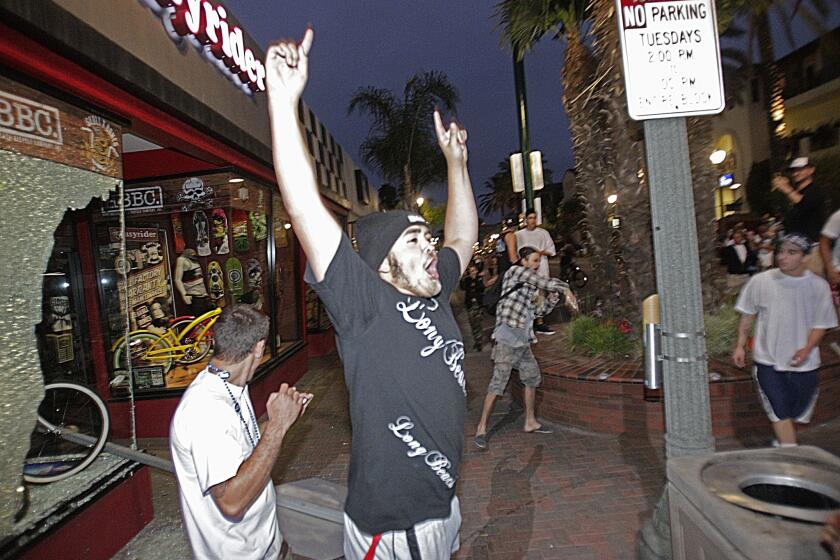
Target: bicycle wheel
(72,428)
(198,350)
(579,278)
(141,343)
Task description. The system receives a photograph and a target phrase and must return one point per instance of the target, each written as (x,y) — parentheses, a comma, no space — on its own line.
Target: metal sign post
(672,70)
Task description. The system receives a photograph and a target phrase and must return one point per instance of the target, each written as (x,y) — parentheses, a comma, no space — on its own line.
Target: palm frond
(379,103)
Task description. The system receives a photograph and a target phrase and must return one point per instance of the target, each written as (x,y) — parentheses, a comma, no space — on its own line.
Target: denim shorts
(787,394)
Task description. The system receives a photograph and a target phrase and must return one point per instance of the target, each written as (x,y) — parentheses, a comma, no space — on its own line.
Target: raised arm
(287,67)
(461,222)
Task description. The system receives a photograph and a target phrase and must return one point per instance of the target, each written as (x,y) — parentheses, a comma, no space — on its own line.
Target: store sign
(133,234)
(28,121)
(672,65)
(101,144)
(37,125)
(207,24)
(136,201)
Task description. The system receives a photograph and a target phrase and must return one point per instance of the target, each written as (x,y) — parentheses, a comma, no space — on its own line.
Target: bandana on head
(799,240)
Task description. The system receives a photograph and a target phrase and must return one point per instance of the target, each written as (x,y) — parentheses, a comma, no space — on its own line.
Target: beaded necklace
(224,375)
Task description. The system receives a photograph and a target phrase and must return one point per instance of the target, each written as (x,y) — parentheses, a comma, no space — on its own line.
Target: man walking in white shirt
(794,309)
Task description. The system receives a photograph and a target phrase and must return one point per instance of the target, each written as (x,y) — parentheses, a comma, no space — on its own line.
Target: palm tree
(622,143)
(401,144)
(524,22)
(500,197)
(388,197)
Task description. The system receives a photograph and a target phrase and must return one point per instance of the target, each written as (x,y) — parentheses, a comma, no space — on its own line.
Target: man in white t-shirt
(794,309)
(537,238)
(540,240)
(223,458)
(831,256)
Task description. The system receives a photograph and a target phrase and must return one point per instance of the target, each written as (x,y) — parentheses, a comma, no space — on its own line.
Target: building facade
(808,123)
(171,111)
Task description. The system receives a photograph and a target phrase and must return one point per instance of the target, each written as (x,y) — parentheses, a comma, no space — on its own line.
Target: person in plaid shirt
(514,335)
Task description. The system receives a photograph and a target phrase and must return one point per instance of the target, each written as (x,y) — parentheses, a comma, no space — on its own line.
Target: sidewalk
(568,495)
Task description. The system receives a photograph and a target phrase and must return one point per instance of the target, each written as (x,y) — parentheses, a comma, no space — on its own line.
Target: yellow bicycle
(187,340)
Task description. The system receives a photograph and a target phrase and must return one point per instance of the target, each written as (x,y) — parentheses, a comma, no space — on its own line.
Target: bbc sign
(136,201)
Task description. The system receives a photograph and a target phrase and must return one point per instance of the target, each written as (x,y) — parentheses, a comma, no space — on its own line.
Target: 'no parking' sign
(671,58)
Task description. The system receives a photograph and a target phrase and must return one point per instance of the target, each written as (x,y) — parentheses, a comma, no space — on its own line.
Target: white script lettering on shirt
(453,350)
(435,460)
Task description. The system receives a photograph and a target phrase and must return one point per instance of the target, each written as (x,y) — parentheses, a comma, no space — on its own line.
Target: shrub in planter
(721,330)
(603,338)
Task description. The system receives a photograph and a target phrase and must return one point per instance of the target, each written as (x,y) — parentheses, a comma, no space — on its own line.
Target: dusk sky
(383,43)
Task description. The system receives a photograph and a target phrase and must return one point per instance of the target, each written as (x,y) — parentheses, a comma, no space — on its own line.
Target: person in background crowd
(506,250)
(738,256)
(514,335)
(473,286)
(540,240)
(794,309)
(491,273)
(765,255)
(830,254)
(806,214)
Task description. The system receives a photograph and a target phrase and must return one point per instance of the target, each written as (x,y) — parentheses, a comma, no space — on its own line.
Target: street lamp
(420,201)
(717,156)
(612,199)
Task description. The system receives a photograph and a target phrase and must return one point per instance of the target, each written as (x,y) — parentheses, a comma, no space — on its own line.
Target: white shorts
(434,539)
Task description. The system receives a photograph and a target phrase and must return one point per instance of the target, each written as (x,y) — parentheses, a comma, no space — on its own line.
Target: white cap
(799,163)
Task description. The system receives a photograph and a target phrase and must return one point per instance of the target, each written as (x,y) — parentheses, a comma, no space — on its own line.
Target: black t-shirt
(473,290)
(808,215)
(403,365)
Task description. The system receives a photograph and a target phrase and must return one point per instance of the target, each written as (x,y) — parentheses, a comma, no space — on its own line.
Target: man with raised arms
(397,336)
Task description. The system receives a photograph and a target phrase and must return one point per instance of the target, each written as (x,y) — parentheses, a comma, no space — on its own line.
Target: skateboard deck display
(240,231)
(255,273)
(202,236)
(216,280)
(178,232)
(220,232)
(236,283)
(259,226)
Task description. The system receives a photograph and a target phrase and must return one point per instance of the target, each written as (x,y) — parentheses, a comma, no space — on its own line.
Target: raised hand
(287,67)
(571,301)
(284,407)
(452,140)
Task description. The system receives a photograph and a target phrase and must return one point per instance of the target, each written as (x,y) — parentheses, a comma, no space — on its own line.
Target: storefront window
(193,245)
(287,310)
(62,338)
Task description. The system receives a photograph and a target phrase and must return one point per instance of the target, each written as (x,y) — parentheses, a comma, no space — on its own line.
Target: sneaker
(542,329)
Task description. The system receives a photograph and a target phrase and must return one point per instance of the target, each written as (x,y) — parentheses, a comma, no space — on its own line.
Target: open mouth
(431,268)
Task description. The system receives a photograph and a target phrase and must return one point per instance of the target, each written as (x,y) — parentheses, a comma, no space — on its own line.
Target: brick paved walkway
(570,494)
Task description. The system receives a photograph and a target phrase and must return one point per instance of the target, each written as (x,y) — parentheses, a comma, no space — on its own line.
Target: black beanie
(377,233)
